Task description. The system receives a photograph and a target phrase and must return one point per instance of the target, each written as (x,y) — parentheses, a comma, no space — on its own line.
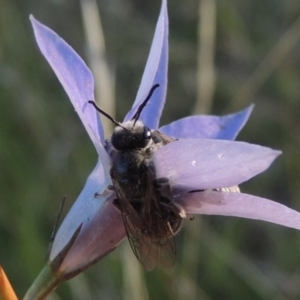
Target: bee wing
(150,249)
(158,245)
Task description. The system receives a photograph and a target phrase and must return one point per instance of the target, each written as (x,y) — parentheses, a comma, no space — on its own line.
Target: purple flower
(204,158)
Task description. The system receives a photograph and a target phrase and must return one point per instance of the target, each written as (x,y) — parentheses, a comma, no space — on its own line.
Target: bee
(150,216)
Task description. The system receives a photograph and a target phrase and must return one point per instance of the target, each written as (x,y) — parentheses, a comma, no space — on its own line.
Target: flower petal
(239,205)
(209,127)
(102,225)
(156,71)
(74,75)
(98,237)
(205,164)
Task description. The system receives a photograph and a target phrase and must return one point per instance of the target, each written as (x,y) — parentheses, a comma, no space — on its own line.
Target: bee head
(132,135)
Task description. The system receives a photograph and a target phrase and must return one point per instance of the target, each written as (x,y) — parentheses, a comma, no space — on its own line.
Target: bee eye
(147,133)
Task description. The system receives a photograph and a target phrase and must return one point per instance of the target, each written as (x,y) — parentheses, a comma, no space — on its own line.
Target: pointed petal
(239,205)
(205,164)
(209,127)
(102,225)
(73,74)
(155,72)
(98,237)
(6,290)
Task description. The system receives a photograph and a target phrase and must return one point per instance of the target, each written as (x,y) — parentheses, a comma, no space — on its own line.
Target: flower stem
(43,285)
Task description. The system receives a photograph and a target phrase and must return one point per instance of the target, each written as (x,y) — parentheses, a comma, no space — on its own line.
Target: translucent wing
(147,225)
(149,250)
(157,200)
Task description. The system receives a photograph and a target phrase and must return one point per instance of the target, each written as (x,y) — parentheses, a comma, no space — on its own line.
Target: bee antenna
(105,114)
(141,107)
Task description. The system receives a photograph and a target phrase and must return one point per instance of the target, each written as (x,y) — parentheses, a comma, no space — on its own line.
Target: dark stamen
(141,107)
(54,230)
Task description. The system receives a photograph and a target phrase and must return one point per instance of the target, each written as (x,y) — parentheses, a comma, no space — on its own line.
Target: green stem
(43,285)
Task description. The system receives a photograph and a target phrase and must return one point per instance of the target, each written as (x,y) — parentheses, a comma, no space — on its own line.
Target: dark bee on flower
(151,219)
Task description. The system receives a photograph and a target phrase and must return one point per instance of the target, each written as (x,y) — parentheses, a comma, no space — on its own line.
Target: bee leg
(163,189)
(175,209)
(232,189)
(108,189)
(196,191)
(166,199)
(116,203)
(111,188)
(162,181)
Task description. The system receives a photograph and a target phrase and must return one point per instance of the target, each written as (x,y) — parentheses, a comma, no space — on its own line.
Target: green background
(45,152)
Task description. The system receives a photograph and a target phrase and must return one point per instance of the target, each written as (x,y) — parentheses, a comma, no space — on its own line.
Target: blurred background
(224,55)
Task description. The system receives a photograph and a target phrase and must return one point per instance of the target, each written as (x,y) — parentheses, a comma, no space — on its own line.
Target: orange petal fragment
(6,290)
